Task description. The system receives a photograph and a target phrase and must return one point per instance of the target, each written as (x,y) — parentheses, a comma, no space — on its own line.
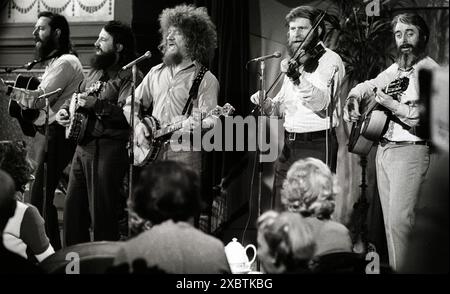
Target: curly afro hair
(197,28)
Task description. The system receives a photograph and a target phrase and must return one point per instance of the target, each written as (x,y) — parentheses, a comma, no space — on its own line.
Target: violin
(308,58)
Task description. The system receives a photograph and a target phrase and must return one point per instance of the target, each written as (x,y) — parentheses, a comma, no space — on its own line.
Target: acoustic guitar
(78,115)
(158,135)
(374,120)
(24,115)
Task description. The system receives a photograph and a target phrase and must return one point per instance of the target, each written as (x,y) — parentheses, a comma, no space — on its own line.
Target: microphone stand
(131,140)
(44,186)
(260,134)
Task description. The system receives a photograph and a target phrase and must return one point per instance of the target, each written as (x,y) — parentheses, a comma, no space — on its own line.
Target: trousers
(302,146)
(400,170)
(60,153)
(95,196)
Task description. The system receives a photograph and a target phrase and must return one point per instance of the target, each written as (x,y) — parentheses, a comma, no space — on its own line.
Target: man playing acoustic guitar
(63,70)
(402,158)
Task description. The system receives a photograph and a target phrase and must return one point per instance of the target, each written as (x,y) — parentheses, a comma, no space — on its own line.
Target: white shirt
(408,114)
(304,106)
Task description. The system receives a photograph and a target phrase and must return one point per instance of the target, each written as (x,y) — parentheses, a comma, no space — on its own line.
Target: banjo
(158,135)
(79,115)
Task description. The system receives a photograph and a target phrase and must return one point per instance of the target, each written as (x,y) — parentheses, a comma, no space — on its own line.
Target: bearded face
(45,39)
(298,29)
(105,51)
(409,46)
(175,47)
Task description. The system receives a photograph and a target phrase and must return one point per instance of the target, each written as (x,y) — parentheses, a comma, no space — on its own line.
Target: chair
(95,258)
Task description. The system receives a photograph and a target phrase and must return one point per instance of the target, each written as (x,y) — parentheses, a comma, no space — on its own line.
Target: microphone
(31,64)
(50,93)
(136,61)
(276,54)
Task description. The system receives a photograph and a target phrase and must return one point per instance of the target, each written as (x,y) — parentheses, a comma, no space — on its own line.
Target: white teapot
(237,257)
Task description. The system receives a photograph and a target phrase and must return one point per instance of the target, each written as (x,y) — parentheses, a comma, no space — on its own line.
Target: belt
(384,141)
(305,136)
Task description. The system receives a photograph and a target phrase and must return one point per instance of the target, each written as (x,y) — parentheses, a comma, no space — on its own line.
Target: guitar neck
(387,90)
(169,129)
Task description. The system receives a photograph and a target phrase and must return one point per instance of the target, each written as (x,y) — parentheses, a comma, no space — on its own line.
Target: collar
(194,63)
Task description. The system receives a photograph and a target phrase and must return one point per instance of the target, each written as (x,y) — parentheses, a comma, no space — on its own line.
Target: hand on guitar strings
(386,100)
(26,98)
(351,109)
(86,101)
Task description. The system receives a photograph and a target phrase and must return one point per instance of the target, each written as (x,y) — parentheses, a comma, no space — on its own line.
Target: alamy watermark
(233,134)
(373,7)
(73,265)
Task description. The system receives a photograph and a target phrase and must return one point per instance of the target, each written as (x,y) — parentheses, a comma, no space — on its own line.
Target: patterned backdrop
(25,11)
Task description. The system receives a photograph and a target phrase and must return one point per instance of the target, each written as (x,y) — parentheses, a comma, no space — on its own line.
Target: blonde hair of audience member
(285,242)
(310,188)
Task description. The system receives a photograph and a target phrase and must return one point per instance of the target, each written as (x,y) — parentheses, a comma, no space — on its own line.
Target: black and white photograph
(241,138)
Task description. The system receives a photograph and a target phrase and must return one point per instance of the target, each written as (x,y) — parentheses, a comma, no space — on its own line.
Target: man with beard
(309,104)
(188,42)
(402,158)
(100,162)
(63,70)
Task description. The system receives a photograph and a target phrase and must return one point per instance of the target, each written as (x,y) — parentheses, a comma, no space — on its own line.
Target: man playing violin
(63,70)
(308,99)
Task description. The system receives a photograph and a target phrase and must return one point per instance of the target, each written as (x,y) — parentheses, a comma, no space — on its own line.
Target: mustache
(405,46)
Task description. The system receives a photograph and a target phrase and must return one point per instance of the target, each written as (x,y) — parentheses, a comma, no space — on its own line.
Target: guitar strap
(193,92)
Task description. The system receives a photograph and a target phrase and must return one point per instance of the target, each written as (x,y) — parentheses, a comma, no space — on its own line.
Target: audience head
(310,188)
(167,190)
(7,199)
(14,161)
(285,242)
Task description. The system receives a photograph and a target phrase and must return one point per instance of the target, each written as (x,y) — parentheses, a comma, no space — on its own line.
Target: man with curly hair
(167,92)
